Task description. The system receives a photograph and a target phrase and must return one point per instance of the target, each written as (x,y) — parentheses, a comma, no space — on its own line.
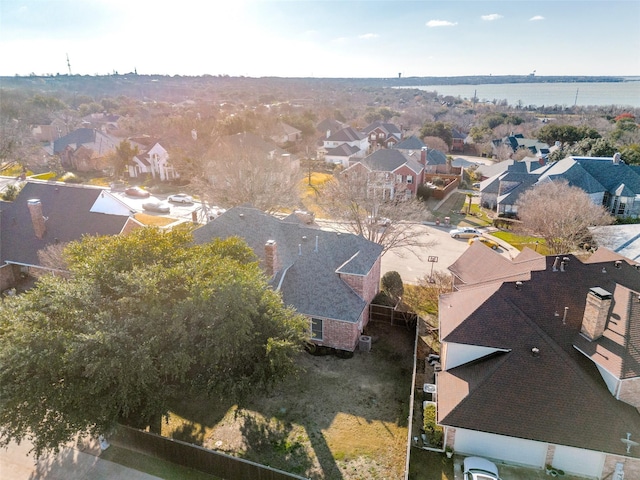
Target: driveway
(70,464)
(414,265)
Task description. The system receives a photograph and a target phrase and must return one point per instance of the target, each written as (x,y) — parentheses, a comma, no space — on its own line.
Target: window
(316,329)
(409,179)
(398,178)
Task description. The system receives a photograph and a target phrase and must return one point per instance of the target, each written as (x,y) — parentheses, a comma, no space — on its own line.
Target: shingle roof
(479,264)
(557,396)
(410,143)
(388,128)
(389,160)
(342,150)
(313,258)
(348,134)
(436,157)
(67,209)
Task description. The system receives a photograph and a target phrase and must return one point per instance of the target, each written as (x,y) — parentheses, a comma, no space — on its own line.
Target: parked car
(477,468)
(180,198)
(487,241)
(465,232)
(137,192)
(156,206)
(215,212)
(382,221)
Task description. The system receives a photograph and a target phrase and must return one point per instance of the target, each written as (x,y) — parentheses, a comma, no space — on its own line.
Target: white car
(180,198)
(465,232)
(477,468)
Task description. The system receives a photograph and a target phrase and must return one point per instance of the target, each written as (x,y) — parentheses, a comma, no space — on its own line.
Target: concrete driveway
(414,265)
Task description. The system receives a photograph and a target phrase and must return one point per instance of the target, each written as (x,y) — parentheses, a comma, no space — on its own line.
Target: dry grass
(342,419)
(153,220)
(310,192)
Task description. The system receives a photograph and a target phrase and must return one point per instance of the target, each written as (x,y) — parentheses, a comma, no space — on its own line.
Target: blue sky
(321,38)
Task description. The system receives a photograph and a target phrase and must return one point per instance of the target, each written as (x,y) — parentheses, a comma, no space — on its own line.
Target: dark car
(156,206)
(137,192)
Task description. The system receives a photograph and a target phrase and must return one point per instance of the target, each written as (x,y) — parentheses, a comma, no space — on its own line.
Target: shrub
(433,431)
(392,284)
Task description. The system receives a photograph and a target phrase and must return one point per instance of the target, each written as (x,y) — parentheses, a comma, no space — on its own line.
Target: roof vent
(518,285)
(535,351)
(600,293)
(618,263)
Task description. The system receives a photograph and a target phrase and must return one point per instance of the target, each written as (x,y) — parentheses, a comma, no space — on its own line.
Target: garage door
(499,447)
(578,462)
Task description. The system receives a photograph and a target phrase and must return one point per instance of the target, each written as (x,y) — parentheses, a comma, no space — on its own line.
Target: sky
(320,38)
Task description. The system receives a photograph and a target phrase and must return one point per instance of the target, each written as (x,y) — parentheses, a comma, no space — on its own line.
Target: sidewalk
(70,464)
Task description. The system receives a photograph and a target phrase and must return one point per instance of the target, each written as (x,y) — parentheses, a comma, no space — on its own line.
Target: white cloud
(491,17)
(536,18)
(368,36)
(440,23)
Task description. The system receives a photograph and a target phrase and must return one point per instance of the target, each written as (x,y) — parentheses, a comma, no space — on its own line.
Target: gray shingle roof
(348,134)
(311,256)
(410,143)
(67,209)
(389,160)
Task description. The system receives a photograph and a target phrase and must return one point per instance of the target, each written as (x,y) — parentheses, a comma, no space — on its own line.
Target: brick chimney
(35,209)
(423,156)
(271,260)
(596,312)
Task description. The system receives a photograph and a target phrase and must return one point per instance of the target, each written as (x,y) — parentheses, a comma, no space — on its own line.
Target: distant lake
(568,94)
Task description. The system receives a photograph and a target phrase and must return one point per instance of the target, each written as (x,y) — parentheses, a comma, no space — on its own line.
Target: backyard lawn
(341,419)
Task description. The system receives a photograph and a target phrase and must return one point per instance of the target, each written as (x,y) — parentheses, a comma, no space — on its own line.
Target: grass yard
(519,241)
(341,419)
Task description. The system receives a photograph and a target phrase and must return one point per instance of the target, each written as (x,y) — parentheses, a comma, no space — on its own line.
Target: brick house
(391,173)
(85,149)
(153,161)
(382,135)
(539,361)
(50,213)
(347,136)
(329,277)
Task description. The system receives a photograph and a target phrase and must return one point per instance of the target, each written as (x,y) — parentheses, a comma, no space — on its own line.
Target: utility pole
(69,64)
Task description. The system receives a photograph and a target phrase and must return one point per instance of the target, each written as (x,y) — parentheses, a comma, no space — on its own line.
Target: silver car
(465,232)
(477,468)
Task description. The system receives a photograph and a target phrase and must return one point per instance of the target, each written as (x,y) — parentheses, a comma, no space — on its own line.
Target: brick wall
(340,335)
(8,276)
(630,392)
(631,467)
(367,287)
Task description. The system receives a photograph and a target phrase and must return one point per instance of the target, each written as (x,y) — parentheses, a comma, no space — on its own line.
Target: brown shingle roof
(557,396)
(479,264)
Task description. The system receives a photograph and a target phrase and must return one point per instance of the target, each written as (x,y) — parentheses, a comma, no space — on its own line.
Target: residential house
(390,173)
(285,134)
(457,140)
(49,132)
(104,122)
(153,161)
(607,180)
(349,136)
(329,277)
(85,149)
(51,213)
(343,155)
(382,135)
(411,145)
(516,142)
(329,126)
(541,366)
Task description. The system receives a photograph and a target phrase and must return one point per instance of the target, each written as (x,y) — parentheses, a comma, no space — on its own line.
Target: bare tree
(244,172)
(560,214)
(357,201)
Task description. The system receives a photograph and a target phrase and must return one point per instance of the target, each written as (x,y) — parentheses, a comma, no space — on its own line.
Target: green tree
(142,319)
(123,155)
(565,134)
(392,285)
(438,129)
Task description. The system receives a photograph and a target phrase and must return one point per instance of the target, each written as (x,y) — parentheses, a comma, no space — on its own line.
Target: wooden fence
(195,457)
(383,313)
